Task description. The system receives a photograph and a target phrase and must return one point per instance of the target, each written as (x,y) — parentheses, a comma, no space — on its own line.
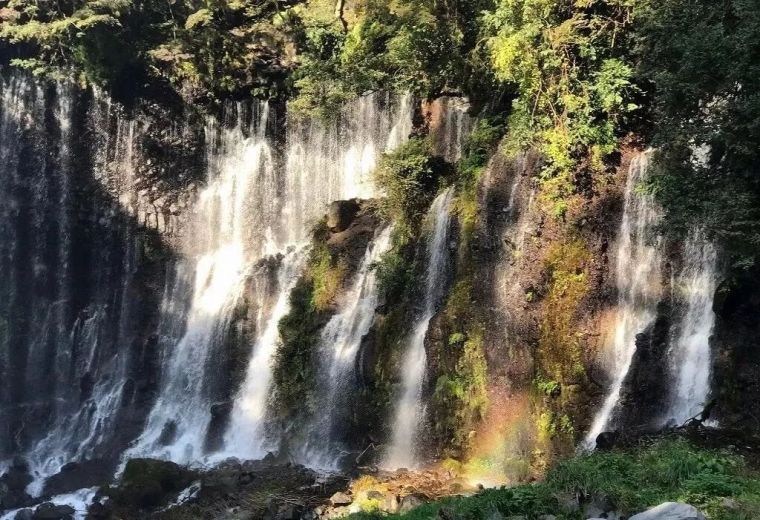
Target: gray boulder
(410,502)
(340,499)
(670,511)
(341,213)
(24,514)
(50,511)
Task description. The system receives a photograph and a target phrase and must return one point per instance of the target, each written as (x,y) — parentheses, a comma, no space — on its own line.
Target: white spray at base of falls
(339,344)
(410,409)
(690,351)
(639,257)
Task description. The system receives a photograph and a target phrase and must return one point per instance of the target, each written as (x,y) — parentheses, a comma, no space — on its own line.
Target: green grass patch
(719,483)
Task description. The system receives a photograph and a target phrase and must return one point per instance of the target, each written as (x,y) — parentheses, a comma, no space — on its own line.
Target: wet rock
(168,433)
(341,213)
(147,483)
(51,511)
(340,499)
(24,514)
(78,475)
(99,510)
(220,414)
(13,484)
(670,511)
(605,441)
(547,517)
(645,389)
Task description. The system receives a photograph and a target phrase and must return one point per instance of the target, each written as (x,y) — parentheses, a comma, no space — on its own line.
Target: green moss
(409,177)
(311,305)
(460,398)
(560,352)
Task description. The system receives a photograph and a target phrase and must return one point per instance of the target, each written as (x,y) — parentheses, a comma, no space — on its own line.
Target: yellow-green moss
(567,286)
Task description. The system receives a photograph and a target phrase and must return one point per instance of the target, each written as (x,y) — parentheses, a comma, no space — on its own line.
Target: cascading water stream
(249,211)
(323,163)
(639,257)
(339,344)
(328,162)
(68,253)
(410,408)
(690,351)
(246,436)
(233,216)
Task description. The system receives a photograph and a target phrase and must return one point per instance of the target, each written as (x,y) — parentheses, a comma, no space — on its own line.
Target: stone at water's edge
(340,499)
(670,511)
(341,213)
(50,511)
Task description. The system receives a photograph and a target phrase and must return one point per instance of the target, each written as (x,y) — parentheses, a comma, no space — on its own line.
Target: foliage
(700,59)
(633,480)
(560,356)
(217,49)
(311,304)
(573,85)
(416,46)
(463,394)
(409,177)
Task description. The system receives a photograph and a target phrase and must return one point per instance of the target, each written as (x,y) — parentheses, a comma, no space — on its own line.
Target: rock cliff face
(101,208)
(735,382)
(89,213)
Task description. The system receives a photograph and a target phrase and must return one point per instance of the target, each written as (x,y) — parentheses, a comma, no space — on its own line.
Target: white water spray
(410,408)
(246,436)
(639,258)
(233,213)
(690,353)
(339,344)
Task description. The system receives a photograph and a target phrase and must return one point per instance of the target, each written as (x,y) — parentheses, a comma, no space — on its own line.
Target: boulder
(605,441)
(410,502)
(24,514)
(13,484)
(670,511)
(51,511)
(147,483)
(99,510)
(390,504)
(341,213)
(78,475)
(340,499)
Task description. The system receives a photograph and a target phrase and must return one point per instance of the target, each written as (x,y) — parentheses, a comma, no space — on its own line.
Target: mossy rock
(147,483)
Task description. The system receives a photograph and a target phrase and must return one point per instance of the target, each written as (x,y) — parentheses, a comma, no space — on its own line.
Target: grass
(719,483)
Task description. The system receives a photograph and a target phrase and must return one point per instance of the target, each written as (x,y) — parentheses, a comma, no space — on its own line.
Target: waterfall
(334,161)
(690,351)
(233,218)
(251,209)
(246,436)
(70,324)
(91,228)
(455,125)
(638,279)
(338,347)
(410,409)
